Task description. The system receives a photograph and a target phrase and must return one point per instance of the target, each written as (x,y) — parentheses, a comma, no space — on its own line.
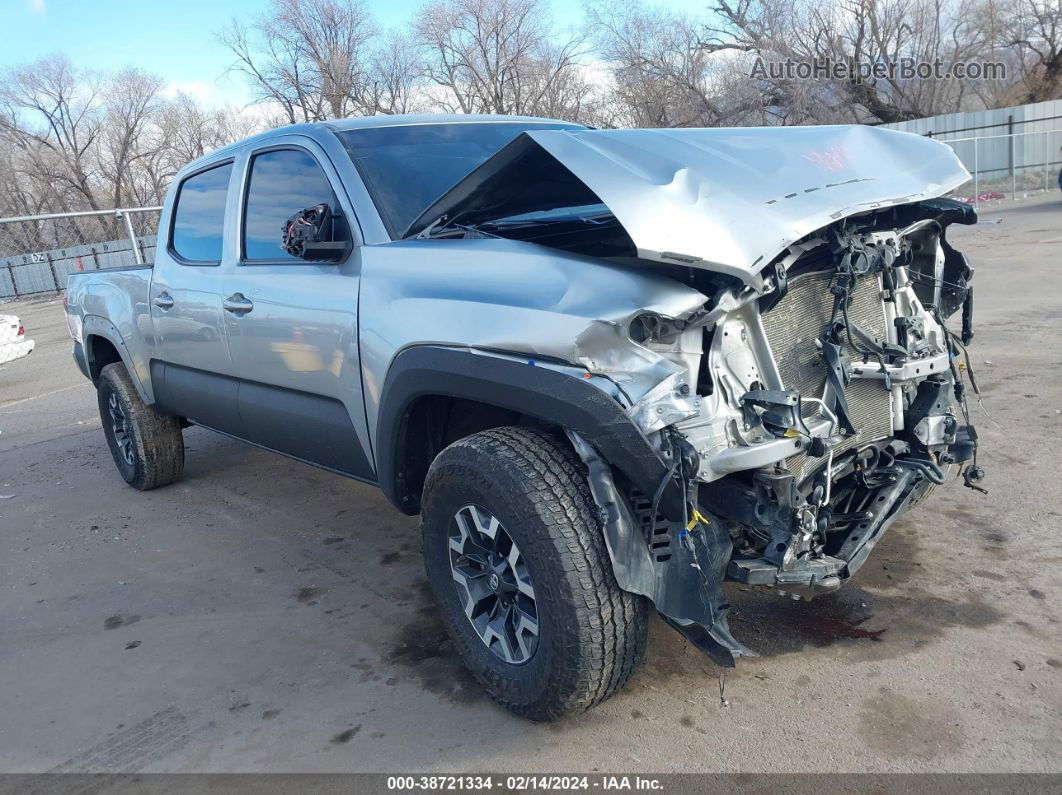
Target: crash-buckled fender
(683,576)
(519,384)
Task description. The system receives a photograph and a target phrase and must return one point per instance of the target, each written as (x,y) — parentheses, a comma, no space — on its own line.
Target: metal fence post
(47,240)
(977,193)
(1013,171)
(1013,164)
(132,237)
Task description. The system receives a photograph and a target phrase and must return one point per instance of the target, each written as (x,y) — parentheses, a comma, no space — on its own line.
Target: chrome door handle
(238,304)
(163,301)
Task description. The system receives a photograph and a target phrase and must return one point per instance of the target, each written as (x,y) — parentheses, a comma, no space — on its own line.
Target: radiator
(792,328)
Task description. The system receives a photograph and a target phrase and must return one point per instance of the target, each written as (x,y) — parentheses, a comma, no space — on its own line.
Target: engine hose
(927,468)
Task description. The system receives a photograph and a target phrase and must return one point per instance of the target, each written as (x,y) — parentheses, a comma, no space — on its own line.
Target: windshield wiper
(516,223)
(442,229)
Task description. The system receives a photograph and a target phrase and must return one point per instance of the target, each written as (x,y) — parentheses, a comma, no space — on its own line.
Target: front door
(293,325)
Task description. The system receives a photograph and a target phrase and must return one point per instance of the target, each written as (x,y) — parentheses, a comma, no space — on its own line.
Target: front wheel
(518,566)
(147,446)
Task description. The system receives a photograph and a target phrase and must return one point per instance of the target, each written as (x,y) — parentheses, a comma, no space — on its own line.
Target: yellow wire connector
(696,519)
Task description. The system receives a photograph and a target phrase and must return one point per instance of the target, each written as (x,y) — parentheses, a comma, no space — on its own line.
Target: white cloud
(223,94)
(208,92)
(36,6)
(193,88)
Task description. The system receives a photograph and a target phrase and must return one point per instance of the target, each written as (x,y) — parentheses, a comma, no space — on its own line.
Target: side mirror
(315,234)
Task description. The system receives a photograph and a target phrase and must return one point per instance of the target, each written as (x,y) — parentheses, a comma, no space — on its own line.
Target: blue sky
(173,38)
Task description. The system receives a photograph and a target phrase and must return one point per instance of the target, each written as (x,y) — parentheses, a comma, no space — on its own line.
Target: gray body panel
(499,295)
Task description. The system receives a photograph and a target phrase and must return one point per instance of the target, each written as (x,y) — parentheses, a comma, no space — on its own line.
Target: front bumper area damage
(812,398)
(682,572)
(825,407)
(815,414)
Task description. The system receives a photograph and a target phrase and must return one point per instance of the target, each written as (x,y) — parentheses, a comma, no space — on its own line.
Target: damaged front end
(824,407)
(816,394)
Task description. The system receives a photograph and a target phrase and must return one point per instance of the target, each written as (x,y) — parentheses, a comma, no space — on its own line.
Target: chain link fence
(38,252)
(1011,166)
(42,394)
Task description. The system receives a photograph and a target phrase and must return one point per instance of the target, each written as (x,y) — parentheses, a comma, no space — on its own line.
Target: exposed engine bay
(821,411)
(809,402)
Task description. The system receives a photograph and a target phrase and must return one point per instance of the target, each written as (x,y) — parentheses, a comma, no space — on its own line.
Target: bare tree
(183,130)
(130,104)
(857,33)
(395,76)
(17,194)
(1032,31)
(662,76)
(54,121)
(322,59)
(500,56)
(74,140)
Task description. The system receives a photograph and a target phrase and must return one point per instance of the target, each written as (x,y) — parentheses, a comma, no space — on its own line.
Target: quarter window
(199,216)
(282,182)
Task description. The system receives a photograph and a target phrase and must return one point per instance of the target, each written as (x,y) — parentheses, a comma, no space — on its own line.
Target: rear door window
(283,181)
(199,215)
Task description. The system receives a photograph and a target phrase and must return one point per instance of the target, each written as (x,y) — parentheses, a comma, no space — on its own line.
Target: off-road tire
(157,445)
(592,635)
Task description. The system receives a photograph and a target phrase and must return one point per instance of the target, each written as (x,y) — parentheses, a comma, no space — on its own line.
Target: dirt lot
(265,616)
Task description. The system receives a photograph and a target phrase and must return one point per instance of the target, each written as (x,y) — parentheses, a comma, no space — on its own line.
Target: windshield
(406,168)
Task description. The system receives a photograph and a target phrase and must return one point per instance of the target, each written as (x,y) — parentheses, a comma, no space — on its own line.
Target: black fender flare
(97,326)
(520,386)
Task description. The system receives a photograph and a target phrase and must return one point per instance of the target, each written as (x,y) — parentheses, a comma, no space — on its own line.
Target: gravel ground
(262,615)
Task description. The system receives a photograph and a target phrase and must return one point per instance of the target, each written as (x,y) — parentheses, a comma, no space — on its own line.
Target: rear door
(292,324)
(191,370)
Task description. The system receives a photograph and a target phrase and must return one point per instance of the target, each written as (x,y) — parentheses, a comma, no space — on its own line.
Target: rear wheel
(518,565)
(147,446)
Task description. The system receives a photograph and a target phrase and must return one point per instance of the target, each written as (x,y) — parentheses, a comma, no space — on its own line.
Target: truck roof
(430,118)
(362,122)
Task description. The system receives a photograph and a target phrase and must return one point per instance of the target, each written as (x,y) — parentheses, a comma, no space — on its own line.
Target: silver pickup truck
(609,368)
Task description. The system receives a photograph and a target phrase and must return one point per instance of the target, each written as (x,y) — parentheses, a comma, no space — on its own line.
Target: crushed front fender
(681,571)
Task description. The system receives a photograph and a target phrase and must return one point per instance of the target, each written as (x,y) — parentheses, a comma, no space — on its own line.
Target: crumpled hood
(727,199)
